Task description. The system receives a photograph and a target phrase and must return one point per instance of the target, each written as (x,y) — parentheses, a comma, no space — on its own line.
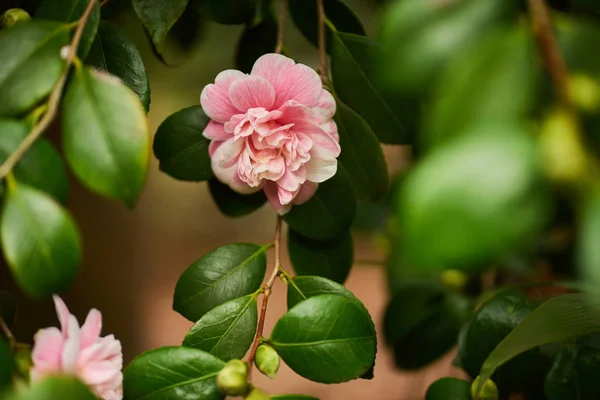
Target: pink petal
(291,81)
(215,131)
(90,331)
(325,108)
(307,191)
(213,146)
(292,180)
(271,190)
(99,372)
(104,349)
(215,97)
(62,311)
(322,165)
(251,92)
(325,143)
(331,129)
(224,164)
(70,350)
(47,350)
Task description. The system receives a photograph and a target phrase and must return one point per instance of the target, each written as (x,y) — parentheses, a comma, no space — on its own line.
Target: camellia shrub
(492,232)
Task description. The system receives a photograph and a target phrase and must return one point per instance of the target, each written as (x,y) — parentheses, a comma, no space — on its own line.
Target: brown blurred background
(132,259)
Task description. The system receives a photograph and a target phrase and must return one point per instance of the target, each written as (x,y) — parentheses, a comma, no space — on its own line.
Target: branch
(322,44)
(7,333)
(281,26)
(548,47)
(266,294)
(53,100)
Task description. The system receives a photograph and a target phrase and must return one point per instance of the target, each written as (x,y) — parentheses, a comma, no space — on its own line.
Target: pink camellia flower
(272,130)
(96,360)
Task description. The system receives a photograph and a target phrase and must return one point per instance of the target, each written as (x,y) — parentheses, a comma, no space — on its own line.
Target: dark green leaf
(41,167)
(327,339)
(70,11)
(361,155)
(255,41)
(293,397)
(301,288)
(228,11)
(233,204)
(172,373)
(449,389)
(224,274)
(40,242)
(573,374)
(159,17)
(180,146)
(8,308)
(105,135)
(7,364)
(422,322)
(494,167)
(304,14)
(226,331)
(329,213)
(497,65)
(589,234)
(353,69)
(31,64)
(65,388)
(331,259)
(113,52)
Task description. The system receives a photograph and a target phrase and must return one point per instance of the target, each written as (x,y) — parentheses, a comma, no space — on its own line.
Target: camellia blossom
(96,360)
(272,130)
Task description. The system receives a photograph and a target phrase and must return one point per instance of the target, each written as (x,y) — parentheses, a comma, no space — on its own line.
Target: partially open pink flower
(96,360)
(272,130)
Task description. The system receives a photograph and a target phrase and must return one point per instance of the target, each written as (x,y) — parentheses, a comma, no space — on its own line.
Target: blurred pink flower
(96,360)
(272,130)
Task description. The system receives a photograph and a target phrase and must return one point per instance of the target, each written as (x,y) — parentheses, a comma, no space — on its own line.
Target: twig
(548,46)
(53,100)
(7,333)
(104,2)
(322,44)
(281,26)
(266,294)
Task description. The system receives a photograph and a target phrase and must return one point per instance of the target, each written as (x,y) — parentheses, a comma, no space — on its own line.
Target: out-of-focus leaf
(228,11)
(8,308)
(255,41)
(573,374)
(449,389)
(64,387)
(159,17)
(233,204)
(7,365)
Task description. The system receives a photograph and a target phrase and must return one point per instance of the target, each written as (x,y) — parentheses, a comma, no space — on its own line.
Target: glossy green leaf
(356,81)
(331,259)
(172,373)
(301,288)
(362,155)
(113,52)
(329,213)
(498,65)
(234,204)
(105,135)
(327,339)
(70,11)
(159,17)
(304,14)
(31,64)
(224,274)
(226,331)
(573,374)
(63,387)
(7,365)
(293,397)
(255,41)
(180,146)
(495,167)
(40,242)
(8,308)
(40,167)
(422,322)
(561,318)
(449,389)
(228,11)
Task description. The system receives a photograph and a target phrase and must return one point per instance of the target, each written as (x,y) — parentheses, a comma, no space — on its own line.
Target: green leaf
(40,242)
(180,147)
(422,322)
(172,373)
(356,81)
(159,17)
(361,155)
(301,288)
(7,364)
(327,339)
(561,318)
(70,11)
(63,387)
(226,331)
(105,135)
(224,274)
(573,374)
(233,204)
(255,41)
(113,52)
(31,64)
(304,14)
(228,11)
(449,389)
(331,259)
(40,167)
(293,397)
(493,166)
(8,308)
(496,64)
(588,251)
(329,213)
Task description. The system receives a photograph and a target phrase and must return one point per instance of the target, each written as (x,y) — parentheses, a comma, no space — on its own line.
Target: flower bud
(455,279)
(489,391)
(257,394)
(232,380)
(267,360)
(13,16)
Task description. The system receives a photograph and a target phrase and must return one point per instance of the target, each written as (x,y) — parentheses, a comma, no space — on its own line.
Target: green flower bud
(257,394)
(13,16)
(232,380)
(488,392)
(267,360)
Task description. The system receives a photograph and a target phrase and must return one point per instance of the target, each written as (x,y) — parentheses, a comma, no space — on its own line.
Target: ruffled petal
(271,191)
(70,351)
(291,81)
(63,313)
(322,165)
(224,164)
(215,97)
(251,92)
(325,108)
(307,191)
(90,331)
(47,352)
(215,131)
